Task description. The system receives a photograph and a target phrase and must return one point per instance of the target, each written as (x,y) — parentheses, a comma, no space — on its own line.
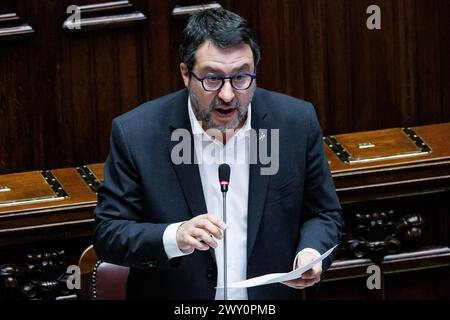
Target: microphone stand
(224,179)
(224,218)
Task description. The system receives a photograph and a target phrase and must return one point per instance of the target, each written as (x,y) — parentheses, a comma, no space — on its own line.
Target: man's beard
(205,116)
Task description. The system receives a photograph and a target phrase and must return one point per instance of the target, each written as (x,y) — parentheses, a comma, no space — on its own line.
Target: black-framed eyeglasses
(239,81)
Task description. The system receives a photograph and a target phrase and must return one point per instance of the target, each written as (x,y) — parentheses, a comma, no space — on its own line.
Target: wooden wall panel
(293,58)
(107,94)
(312,17)
(444,51)
(103,79)
(272,67)
(129,61)
(384,69)
(17,113)
(16,118)
(428,62)
(43,60)
(363,46)
(60,90)
(339,113)
(405,81)
(82,98)
(160,44)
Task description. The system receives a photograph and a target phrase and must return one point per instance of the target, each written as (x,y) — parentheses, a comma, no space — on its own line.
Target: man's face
(226,108)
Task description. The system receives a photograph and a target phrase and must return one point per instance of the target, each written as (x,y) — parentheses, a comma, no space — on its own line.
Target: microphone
(224,179)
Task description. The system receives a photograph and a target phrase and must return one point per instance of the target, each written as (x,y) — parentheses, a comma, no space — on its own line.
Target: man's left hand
(310,277)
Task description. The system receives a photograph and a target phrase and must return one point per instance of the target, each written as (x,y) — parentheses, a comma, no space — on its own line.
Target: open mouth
(225,111)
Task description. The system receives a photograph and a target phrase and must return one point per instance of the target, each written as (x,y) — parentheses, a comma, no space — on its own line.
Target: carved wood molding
(378,234)
(188,10)
(102,16)
(41,276)
(11,27)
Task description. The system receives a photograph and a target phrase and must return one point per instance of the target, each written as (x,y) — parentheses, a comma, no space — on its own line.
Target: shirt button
(151,264)
(210,274)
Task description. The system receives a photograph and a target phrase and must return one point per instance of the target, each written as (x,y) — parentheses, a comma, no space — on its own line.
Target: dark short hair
(223,28)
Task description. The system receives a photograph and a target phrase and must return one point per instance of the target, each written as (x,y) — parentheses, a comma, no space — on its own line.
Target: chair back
(101,280)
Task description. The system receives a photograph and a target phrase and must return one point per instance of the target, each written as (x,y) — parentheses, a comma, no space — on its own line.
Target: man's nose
(226,93)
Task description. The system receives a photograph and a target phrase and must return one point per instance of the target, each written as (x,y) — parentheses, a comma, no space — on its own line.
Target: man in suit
(163,217)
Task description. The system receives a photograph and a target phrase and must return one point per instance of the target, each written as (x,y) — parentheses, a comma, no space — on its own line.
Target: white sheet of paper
(277,277)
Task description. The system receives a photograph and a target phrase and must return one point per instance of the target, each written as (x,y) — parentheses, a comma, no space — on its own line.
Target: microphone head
(224,177)
(224,172)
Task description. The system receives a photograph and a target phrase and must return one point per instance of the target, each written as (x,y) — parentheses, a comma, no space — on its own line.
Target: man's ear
(185,74)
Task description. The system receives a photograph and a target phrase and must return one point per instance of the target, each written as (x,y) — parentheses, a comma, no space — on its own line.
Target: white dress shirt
(210,154)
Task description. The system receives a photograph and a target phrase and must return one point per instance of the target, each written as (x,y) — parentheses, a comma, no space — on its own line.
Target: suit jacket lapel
(258,183)
(188,174)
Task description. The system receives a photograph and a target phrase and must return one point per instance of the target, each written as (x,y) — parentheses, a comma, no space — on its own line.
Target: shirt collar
(197,128)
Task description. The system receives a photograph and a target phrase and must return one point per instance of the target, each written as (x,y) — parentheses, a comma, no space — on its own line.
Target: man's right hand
(200,233)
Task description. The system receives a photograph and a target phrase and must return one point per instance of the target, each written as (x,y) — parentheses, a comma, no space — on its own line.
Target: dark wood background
(60,90)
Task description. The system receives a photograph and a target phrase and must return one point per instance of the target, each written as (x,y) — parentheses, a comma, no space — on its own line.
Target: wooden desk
(396,212)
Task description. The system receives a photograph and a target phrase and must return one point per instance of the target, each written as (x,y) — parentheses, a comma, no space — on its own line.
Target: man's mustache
(220,102)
